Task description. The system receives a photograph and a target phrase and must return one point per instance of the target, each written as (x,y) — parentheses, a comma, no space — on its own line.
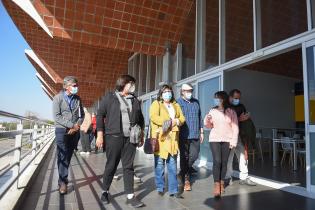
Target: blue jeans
(65,146)
(171,163)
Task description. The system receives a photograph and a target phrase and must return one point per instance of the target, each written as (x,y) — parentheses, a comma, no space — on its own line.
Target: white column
(200,36)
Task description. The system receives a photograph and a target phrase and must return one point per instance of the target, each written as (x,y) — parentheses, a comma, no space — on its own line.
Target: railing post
(17,153)
(34,140)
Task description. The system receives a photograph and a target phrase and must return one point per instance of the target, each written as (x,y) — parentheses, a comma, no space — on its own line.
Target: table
(292,141)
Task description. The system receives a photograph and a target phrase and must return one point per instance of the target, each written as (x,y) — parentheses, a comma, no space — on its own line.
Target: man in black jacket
(121,110)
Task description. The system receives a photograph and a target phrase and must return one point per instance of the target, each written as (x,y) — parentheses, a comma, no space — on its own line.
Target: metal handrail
(40,138)
(15,116)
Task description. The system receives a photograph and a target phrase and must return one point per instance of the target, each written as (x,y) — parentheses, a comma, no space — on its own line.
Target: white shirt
(170,109)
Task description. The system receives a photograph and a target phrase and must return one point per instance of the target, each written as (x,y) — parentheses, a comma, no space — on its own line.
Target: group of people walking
(176,126)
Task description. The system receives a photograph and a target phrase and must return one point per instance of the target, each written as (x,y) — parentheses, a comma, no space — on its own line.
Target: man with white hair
(190,135)
(68,115)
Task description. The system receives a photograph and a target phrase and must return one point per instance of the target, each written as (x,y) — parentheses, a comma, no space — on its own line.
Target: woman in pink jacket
(223,136)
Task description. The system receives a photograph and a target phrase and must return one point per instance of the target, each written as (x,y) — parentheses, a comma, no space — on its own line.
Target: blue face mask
(167,96)
(216,102)
(235,101)
(74,90)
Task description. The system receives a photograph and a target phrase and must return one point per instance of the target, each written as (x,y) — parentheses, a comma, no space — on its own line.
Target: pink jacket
(224,126)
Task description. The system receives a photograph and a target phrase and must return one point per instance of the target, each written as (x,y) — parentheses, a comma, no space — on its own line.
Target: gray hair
(69,80)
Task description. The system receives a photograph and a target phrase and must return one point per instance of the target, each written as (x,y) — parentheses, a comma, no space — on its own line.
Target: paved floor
(86,180)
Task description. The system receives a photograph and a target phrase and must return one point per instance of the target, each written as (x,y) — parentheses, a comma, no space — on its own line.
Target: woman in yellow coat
(166,117)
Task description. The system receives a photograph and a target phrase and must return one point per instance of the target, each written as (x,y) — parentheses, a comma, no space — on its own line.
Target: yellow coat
(168,143)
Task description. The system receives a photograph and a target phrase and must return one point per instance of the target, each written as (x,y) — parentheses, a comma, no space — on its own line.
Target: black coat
(109,110)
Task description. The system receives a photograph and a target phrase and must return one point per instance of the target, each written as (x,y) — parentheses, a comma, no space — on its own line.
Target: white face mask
(132,88)
(188,95)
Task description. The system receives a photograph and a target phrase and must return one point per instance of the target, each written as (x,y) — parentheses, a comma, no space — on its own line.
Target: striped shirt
(191,110)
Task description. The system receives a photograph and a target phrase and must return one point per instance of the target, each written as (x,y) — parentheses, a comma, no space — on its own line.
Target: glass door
(309,98)
(206,88)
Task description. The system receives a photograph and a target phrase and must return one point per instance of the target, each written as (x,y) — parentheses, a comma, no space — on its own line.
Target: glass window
(152,69)
(135,68)
(188,41)
(239,39)
(313,13)
(312,155)
(143,75)
(311,83)
(159,71)
(212,33)
(145,111)
(206,90)
(282,19)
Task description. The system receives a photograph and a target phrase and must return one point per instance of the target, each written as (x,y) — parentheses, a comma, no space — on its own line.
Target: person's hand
(244,117)
(140,144)
(174,122)
(99,142)
(71,131)
(201,138)
(76,127)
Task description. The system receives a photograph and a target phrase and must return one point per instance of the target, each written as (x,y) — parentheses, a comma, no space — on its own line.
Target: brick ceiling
(93,40)
(134,25)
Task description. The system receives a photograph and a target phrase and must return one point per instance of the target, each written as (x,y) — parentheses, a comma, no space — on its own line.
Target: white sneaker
(87,153)
(136,178)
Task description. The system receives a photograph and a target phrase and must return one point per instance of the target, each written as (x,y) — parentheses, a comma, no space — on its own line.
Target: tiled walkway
(86,180)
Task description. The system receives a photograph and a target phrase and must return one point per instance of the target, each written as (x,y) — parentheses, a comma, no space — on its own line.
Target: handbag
(135,130)
(151,145)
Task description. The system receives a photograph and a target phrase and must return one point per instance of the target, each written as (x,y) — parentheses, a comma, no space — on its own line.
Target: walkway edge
(14,197)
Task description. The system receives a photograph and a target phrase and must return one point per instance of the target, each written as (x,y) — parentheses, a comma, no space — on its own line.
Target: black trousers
(85,141)
(119,148)
(220,153)
(189,153)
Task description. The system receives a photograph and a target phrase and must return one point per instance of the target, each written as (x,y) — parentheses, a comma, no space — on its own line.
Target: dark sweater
(109,110)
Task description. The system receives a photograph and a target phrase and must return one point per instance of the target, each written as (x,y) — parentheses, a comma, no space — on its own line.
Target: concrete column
(200,37)
(221,31)
(166,66)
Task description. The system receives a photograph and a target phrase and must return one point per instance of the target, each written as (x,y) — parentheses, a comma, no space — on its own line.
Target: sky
(20,90)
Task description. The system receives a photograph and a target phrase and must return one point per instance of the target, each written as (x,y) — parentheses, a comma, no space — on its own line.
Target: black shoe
(160,193)
(248,182)
(134,202)
(104,197)
(192,170)
(177,195)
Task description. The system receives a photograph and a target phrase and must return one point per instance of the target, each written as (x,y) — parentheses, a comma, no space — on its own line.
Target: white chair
(287,149)
(259,139)
(301,153)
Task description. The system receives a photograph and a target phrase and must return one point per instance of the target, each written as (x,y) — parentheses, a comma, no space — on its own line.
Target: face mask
(167,96)
(132,88)
(188,96)
(216,102)
(74,90)
(235,101)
